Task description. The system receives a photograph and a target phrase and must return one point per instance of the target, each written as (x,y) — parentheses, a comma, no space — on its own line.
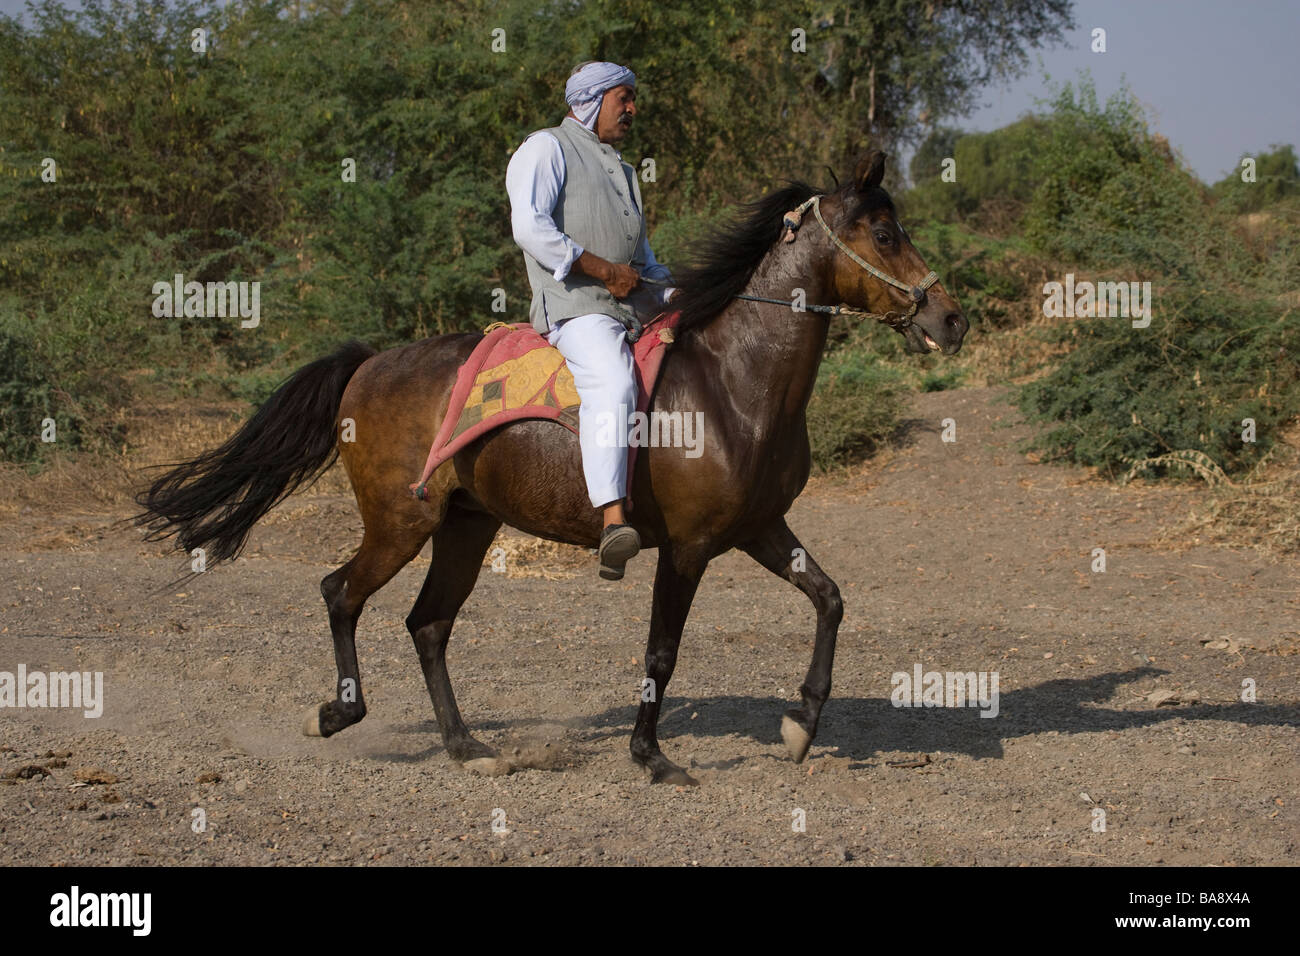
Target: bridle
(790,222)
(895,320)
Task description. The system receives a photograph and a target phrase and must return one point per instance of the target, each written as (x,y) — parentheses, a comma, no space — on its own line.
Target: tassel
(793,218)
(791,222)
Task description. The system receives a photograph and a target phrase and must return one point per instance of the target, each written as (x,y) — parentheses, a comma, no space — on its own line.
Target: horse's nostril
(956,321)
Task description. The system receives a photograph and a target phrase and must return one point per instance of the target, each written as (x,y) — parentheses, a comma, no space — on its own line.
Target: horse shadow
(863,728)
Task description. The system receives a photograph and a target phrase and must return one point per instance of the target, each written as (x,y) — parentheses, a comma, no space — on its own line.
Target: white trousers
(604,373)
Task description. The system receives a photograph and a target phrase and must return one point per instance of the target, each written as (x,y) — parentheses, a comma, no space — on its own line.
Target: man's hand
(619,279)
(622,280)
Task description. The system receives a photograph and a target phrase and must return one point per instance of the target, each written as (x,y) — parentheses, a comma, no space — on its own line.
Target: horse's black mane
(725,260)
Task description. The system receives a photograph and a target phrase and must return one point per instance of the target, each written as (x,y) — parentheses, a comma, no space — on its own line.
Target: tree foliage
(226,162)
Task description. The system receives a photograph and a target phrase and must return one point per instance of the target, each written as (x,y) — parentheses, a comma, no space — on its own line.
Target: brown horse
(748,365)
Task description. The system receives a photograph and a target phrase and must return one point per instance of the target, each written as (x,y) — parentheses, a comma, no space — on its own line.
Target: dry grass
(521,556)
(158,435)
(1015,349)
(1262,511)
(78,482)
(1009,356)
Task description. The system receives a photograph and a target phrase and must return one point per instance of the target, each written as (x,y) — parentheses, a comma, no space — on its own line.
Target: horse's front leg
(676,579)
(778,550)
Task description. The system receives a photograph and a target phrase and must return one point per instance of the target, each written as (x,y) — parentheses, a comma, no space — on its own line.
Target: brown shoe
(618,543)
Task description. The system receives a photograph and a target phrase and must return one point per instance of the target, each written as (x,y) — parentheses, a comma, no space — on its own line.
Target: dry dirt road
(953,556)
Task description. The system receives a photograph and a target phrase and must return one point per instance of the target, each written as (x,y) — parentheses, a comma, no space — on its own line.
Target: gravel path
(1120,693)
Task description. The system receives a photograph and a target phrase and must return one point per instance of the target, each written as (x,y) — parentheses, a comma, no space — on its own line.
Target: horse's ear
(870,170)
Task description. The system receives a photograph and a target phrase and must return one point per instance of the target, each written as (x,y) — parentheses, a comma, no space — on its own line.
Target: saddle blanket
(514,373)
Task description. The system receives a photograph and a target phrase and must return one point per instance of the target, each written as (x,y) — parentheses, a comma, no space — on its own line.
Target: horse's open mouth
(921,342)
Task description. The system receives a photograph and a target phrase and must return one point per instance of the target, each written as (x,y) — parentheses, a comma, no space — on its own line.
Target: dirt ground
(1120,691)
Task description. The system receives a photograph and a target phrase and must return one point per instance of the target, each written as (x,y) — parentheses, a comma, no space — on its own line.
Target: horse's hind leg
(458,548)
(778,550)
(386,548)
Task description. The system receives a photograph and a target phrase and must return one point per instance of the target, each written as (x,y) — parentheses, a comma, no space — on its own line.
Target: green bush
(985,275)
(857,404)
(31,392)
(1277,178)
(1221,347)
(941,379)
(993,167)
(26,394)
(1187,382)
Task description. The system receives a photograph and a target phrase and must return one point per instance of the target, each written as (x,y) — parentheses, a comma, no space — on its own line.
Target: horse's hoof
(674,775)
(797,740)
(488,766)
(311,724)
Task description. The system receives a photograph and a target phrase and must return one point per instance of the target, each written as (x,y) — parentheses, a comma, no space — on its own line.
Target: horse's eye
(883,238)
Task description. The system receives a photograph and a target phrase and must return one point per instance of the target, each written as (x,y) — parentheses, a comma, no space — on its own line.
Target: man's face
(616,112)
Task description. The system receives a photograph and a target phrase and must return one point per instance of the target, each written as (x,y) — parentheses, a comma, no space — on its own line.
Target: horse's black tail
(213,501)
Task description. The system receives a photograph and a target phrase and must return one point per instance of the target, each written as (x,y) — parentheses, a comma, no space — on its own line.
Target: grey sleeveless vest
(599,208)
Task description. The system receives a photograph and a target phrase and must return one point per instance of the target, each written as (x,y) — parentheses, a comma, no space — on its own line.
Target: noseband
(896,320)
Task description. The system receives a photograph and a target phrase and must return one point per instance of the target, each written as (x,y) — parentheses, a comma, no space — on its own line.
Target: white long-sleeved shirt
(533,181)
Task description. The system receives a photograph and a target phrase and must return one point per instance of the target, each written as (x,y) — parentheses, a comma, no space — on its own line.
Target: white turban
(588,85)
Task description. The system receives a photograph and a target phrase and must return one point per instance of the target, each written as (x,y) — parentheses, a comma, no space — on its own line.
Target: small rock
(93,775)
(1228,644)
(28,772)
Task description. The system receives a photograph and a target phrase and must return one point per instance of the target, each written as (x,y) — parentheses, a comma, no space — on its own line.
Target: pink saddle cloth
(514,373)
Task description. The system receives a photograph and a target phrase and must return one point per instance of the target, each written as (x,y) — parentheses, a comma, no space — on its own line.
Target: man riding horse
(744,358)
(576,213)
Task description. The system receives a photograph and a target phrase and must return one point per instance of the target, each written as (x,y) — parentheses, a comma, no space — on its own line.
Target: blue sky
(1219,79)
